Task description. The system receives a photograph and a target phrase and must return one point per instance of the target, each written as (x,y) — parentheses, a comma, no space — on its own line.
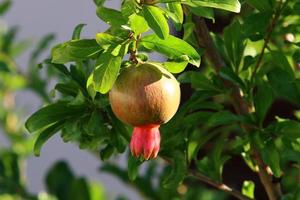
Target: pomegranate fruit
(145,96)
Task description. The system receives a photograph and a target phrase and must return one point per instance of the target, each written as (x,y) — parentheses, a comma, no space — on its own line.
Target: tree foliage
(238,65)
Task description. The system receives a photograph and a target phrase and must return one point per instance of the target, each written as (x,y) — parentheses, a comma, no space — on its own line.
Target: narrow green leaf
(156,20)
(229,5)
(106,72)
(138,24)
(129,7)
(271,157)
(90,86)
(77,31)
(177,17)
(263,100)
(51,114)
(235,44)
(172,47)
(178,172)
(133,167)
(45,135)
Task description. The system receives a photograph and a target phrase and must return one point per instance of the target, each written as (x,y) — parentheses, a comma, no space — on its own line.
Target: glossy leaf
(51,114)
(138,24)
(45,135)
(156,20)
(77,31)
(106,72)
(172,47)
(76,50)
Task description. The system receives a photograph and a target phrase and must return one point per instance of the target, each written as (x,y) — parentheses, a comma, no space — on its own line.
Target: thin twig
(220,186)
(267,38)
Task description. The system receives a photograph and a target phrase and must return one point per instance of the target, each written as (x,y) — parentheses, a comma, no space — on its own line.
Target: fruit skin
(145,95)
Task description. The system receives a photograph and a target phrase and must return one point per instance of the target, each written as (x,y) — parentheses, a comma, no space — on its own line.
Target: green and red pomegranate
(145,96)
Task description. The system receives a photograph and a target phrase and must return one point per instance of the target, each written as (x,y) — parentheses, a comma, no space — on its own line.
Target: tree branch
(220,186)
(240,105)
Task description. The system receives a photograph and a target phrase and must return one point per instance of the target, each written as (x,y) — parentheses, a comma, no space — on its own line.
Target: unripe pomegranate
(145,96)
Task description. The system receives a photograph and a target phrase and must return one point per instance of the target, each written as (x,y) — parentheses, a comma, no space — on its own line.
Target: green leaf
(51,114)
(271,157)
(235,44)
(248,189)
(284,85)
(256,31)
(177,172)
(156,20)
(172,47)
(203,12)
(76,50)
(138,24)
(45,135)
(58,179)
(228,74)
(133,167)
(111,16)
(287,129)
(175,67)
(129,7)
(106,72)
(4,6)
(263,99)
(90,86)
(229,5)
(261,5)
(77,31)
(106,152)
(177,17)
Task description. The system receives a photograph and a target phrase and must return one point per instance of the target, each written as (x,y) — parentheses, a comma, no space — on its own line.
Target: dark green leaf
(172,47)
(203,12)
(271,157)
(4,6)
(106,72)
(261,5)
(77,31)
(228,74)
(178,172)
(51,114)
(235,44)
(133,167)
(129,7)
(156,20)
(45,135)
(106,152)
(263,100)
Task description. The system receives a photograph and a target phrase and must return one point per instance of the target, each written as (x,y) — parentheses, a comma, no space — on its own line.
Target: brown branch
(220,186)
(240,105)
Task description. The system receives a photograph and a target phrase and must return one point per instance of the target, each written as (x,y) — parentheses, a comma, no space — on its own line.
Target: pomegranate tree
(145,96)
